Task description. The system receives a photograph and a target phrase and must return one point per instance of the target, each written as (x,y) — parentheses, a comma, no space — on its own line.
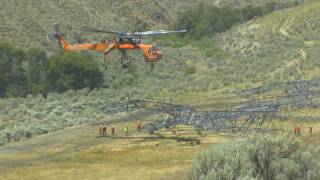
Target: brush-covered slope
(281,46)
(26,23)
(185,74)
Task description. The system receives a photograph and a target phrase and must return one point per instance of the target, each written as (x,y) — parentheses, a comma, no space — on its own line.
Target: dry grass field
(77,152)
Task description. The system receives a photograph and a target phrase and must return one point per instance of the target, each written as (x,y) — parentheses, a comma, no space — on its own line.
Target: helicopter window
(152,49)
(137,41)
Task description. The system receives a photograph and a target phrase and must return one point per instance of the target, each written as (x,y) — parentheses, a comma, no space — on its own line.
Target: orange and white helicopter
(123,42)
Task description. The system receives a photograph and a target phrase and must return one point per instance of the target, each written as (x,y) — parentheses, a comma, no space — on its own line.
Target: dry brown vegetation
(77,153)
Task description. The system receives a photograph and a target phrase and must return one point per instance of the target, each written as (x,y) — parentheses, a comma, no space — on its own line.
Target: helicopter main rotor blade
(119,33)
(157,32)
(98,30)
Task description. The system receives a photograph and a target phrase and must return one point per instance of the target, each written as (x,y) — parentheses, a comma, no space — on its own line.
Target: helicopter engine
(151,54)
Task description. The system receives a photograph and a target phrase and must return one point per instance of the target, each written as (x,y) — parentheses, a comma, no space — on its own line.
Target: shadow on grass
(178,139)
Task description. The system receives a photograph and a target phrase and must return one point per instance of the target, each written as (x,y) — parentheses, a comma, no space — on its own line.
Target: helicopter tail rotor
(57,35)
(56,28)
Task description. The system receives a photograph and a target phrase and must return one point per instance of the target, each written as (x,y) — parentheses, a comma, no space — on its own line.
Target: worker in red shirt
(104,130)
(298,131)
(113,129)
(310,131)
(139,127)
(100,130)
(295,131)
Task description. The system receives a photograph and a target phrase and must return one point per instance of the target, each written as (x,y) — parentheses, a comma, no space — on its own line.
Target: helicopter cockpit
(152,54)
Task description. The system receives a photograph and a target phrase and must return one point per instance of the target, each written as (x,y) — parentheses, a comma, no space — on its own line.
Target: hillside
(54,136)
(139,156)
(26,24)
(77,152)
(171,80)
(283,45)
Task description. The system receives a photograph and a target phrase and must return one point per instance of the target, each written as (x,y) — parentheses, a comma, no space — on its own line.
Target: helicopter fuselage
(151,54)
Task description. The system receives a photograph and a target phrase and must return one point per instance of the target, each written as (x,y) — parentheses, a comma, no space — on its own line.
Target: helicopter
(122,41)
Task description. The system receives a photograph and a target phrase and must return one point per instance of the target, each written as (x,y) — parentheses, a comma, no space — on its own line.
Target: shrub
(190,70)
(261,158)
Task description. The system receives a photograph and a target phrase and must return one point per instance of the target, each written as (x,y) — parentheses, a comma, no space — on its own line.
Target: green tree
(203,21)
(73,71)
(2,77)
(13,80)
(36,71)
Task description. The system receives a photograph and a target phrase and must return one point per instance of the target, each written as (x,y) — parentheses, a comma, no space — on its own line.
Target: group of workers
(297,131)
(103,130)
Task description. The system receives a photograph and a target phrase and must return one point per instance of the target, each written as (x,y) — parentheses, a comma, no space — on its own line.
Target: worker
(139,127)
(100,130)
(174,132)
(199,132)
(151,132)
(289,131)
(126,130)
(298,131)
(113,129)
(104,130)
(310,131)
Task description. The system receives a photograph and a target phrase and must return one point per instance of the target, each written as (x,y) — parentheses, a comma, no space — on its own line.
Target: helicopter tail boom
(59,36)
(98,46)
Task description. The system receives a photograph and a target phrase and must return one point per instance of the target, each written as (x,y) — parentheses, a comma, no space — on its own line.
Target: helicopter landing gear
(105,62)
(152,66)
(126,63)
(125,59)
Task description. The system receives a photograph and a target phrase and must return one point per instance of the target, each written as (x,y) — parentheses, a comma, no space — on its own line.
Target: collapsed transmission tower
(201,120)
(257,112)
